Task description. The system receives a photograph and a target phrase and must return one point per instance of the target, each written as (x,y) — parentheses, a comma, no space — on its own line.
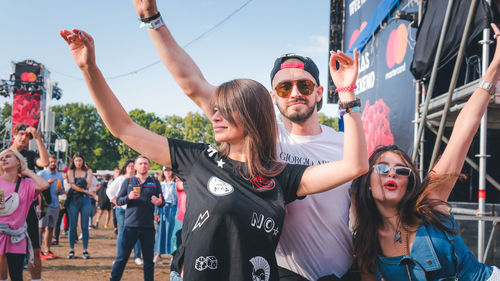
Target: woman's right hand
(81,46)
(145,8)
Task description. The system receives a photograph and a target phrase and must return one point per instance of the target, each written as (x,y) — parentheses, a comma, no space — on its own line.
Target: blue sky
(245,46)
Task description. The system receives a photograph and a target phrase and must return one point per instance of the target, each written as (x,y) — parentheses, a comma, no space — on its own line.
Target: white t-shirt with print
(315,240)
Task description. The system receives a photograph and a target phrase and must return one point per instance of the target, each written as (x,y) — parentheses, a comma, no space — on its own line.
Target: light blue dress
(165,228)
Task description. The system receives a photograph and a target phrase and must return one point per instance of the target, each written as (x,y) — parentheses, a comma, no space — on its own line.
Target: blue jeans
(82,206)
(130,236)
(174,276)
(120,220)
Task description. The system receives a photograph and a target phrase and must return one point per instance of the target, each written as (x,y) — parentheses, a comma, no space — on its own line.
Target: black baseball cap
(307,65)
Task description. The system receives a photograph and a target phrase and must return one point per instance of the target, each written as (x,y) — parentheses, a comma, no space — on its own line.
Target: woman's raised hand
(81,46)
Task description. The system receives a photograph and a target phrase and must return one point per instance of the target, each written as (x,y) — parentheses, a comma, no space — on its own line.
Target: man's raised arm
(178,62)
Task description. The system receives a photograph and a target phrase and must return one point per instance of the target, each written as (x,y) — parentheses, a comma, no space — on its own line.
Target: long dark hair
(123,170)
(247,103)
(78,155)
(414,209)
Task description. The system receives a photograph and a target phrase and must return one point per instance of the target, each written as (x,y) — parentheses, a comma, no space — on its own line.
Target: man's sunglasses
(305,87)
(382,169)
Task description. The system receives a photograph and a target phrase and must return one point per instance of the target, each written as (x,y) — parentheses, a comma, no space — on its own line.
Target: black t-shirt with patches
(232,225)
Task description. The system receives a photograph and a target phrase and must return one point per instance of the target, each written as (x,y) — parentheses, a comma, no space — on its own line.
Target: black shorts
(32,222)
(105,205)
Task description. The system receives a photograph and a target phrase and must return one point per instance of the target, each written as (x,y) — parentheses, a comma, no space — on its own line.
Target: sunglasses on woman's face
(383,169)
(305,87)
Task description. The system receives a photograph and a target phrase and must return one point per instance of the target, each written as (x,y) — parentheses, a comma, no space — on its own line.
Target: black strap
(18,183)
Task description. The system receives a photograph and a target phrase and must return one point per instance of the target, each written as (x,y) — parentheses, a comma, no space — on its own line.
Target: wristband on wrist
(343,112)
(154,24)
(151,18)
(349,104)
(345,89)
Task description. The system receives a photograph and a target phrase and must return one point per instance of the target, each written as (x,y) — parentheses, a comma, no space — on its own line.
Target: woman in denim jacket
(404,229)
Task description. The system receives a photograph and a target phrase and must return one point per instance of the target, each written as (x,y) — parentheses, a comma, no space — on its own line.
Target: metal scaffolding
(440,112)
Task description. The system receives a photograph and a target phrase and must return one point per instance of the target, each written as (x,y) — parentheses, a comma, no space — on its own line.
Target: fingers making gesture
(81,46)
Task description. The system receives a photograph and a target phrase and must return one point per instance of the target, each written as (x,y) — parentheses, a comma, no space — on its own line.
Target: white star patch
(220,163)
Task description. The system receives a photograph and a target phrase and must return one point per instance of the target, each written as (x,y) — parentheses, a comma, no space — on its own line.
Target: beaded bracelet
(348,88)
(343,112)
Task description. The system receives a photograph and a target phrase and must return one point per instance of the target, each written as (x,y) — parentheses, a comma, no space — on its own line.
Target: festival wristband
(345,89)
(350,104)
(151,18)
(343,112)
(154,24)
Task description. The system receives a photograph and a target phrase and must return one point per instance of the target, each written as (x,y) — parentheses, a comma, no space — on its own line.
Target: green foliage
(332,122)
(5,114)
(86,133)
(81,125)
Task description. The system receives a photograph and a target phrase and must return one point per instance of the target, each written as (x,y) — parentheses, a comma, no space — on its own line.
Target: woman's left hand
(347,72)
(27,173)
(81,46)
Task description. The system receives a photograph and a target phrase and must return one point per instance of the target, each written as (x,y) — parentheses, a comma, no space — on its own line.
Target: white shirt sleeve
(114,187)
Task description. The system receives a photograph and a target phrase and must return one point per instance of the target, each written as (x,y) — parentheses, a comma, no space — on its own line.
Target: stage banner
(385,84)
(26,108)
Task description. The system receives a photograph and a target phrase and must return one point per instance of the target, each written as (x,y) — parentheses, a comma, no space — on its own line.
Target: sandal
(71,254)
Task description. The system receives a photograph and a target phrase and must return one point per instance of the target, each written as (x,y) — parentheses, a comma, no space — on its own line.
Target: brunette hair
(22,161)
(414,208)
(162,177)
(78,155)
(247,103)
(123,170)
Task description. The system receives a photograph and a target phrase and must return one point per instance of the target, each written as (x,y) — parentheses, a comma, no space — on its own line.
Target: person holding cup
(141,193)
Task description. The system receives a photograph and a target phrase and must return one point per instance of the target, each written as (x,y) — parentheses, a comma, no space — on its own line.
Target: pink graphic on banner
(375,119)
(26,108)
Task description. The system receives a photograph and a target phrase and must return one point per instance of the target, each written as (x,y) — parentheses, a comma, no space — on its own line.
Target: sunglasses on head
(305,87)
(383,169)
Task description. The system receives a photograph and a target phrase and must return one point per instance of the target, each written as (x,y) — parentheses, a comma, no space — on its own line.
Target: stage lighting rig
(56,92)
(5,87)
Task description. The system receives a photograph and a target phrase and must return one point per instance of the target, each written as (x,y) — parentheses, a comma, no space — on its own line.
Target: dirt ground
(102,250)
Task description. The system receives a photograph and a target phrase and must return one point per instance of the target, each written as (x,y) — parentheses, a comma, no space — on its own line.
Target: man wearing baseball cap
(315,243)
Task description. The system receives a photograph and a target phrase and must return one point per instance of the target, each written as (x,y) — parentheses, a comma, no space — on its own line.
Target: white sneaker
(80,237)
(139,261)
(157,260)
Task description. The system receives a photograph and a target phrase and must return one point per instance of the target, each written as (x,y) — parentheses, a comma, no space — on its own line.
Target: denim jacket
(435,255)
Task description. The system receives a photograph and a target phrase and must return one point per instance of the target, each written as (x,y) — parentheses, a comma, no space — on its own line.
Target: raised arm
(41,183)
(43,161)
(178,62)
(466,125)
(111,111)
(355,157)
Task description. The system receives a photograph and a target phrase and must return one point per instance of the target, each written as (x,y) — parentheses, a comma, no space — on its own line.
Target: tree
(332,122)
(81,125)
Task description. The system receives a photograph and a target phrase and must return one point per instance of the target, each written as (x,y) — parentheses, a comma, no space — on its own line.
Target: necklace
(397,236)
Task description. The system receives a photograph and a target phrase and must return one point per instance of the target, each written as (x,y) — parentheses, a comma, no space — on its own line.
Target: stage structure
(412,87)
(32,91)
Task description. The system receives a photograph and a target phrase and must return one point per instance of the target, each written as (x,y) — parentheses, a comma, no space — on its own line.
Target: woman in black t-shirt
(235,194)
